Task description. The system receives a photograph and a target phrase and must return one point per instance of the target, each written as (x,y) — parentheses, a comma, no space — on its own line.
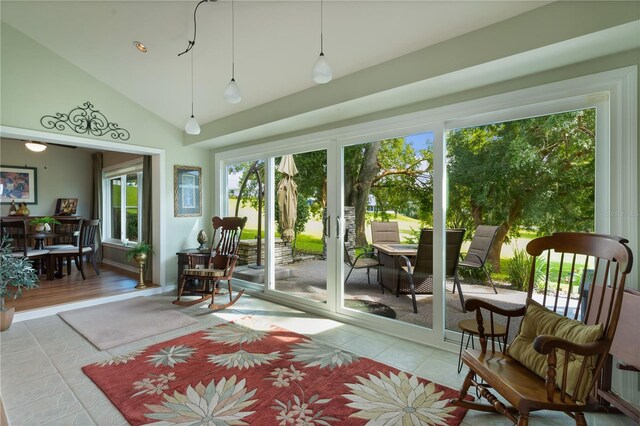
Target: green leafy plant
(519,267)
(140,248)
(16,274)
(44,220)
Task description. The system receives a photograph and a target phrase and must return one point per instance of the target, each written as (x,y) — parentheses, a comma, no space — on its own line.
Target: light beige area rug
(116,323)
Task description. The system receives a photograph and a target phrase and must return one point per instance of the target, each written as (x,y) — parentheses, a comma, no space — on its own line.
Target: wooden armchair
(219,267)
(554,361)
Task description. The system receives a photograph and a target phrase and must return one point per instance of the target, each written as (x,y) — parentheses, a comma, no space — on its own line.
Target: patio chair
(556,359)
(417,277)
(385,233)
(219,266)
(365,260)
(476,257)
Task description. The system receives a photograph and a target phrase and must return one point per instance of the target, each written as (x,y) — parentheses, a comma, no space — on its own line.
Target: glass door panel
(301,226)
(528,178)
(387,200)
(245,197)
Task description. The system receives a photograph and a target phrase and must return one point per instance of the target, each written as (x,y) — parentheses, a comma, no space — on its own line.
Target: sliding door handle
(327,226)
(338,227)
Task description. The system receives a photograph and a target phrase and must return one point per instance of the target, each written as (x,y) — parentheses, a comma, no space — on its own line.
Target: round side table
(470,327)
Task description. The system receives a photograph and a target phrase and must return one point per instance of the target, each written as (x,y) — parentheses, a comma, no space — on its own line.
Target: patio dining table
(390,262)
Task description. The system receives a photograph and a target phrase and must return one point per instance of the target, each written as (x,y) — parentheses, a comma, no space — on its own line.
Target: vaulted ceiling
(276,43)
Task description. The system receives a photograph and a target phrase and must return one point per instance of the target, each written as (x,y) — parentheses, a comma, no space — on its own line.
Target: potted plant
(43,224)
(16,274)
(140,252)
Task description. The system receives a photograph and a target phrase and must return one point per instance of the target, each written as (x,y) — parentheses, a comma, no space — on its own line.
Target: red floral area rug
(247,373)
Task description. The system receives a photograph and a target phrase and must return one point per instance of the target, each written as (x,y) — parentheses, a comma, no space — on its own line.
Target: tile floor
(42,384)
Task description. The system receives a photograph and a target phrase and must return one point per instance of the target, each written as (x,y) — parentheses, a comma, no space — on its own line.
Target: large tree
(538,172)
(389,169)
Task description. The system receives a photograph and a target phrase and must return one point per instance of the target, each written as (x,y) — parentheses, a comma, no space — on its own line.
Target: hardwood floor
(72,288)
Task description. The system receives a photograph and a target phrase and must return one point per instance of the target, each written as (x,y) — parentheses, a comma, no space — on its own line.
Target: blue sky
(420,140)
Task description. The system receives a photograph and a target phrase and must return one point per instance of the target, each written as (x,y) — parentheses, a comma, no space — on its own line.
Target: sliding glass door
(387,201)
(301,224)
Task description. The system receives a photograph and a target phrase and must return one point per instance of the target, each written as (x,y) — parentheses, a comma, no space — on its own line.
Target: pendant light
(192,127)
(321,70)
(232,92)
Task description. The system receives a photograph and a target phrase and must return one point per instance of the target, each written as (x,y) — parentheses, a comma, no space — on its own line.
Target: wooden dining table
(390,263)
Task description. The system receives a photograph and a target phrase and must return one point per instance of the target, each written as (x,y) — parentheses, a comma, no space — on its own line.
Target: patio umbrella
(287,197)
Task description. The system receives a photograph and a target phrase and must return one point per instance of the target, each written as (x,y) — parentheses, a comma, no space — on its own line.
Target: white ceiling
(277,43)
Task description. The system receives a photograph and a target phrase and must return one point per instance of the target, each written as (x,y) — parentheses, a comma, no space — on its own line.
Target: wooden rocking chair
(219,267)
(554,361)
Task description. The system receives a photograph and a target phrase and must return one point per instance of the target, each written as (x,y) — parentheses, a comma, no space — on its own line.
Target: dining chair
(14,230)
(417,276)
(86,248)
(66,236)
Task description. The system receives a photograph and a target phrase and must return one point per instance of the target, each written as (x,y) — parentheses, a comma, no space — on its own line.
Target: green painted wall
(35,82)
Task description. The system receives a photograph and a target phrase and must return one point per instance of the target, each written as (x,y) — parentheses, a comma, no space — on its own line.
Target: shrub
(518,269)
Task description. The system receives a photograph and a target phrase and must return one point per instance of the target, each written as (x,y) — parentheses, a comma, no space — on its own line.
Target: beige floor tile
(13,396)
(364,346)
(106,414)
(78,358)
(44,410)
(17,344)
(33,355)
(405,356)
(89,395)
(81,418)
(25,371)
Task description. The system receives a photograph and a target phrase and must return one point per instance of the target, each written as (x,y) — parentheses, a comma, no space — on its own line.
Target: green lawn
(305,243)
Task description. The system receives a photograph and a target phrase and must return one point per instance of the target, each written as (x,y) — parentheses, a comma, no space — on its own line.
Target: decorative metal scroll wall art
(85,120)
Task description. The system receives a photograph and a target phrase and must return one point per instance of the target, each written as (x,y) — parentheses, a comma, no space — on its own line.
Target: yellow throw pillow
(539,320)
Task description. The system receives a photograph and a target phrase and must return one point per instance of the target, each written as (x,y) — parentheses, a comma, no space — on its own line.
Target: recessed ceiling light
(140,46)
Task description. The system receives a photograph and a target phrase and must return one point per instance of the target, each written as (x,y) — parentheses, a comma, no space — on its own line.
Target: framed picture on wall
(187,191)
(66,206)
(18,184)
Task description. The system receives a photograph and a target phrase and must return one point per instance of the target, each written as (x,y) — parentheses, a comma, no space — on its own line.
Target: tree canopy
(537,173)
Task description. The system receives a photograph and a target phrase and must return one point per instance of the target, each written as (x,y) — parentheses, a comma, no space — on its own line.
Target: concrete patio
(308,280)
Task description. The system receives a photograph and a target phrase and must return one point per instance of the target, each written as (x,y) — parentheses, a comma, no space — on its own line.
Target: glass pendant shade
(321,70)
(35,146)
(232,92)
(192,127)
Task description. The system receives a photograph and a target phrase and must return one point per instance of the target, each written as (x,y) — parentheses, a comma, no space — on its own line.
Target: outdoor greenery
(518,269)
(132,209)
(537,173)
(16,274)
(530,177)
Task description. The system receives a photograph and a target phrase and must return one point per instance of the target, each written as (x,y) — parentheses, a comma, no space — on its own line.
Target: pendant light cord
(321,28)
(233,41)
(192,43)
(192,84)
